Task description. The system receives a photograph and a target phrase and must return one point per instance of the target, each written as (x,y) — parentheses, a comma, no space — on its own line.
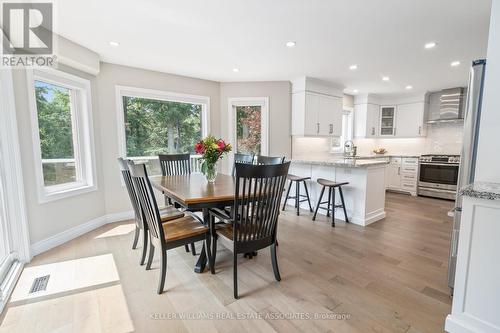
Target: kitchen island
(364,195)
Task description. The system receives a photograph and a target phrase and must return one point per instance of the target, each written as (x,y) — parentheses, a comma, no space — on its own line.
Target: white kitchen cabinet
(393,174)
(387,121)
(316,114)
(402,117)
(477,281)
(330,115)
(402,174)
(366,120)
(317,108)
(410,120)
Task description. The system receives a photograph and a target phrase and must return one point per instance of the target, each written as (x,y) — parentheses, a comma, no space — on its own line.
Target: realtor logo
(27,28)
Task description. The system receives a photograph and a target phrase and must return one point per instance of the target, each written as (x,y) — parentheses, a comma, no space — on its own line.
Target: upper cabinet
(366,120)
(390,118)
(410,120)
(316,108)
(387,121)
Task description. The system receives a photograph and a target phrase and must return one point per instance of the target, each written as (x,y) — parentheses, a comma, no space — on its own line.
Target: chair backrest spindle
(175,164)
(258,195)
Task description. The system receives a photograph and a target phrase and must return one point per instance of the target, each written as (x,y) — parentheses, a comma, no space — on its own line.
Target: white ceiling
(208,38)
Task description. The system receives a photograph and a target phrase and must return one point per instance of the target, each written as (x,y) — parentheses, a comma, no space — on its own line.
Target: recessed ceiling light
(455,63)
(236,70)
(408,87)
(290,44)
(353,67)
(430,45)
(355,91)
(114,44)
(385,78)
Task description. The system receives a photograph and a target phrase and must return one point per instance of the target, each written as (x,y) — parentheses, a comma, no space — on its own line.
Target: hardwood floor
(387,277)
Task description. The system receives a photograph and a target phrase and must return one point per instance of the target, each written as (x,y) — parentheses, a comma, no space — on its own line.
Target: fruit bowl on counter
(380,151)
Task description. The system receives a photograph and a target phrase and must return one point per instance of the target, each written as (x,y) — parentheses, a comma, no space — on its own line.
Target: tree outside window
(248,129)
(56,134)
(155,127)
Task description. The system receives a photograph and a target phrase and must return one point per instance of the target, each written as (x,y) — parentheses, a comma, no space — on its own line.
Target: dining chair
(269,160)
(167,213)
(242,158)
(165,236)
(176,164)
(254,221)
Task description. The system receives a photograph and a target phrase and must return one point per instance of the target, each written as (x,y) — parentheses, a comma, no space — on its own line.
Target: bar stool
(331,199)
(297,196)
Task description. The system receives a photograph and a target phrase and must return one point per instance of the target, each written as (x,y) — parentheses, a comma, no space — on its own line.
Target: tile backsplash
(442,138)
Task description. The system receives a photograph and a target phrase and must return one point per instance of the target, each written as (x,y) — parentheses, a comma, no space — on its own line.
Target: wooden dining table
(194,192)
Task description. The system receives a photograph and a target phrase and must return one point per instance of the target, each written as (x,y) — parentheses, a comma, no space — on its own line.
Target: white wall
(488,159)
(51,218)
(111,75)
(279,112)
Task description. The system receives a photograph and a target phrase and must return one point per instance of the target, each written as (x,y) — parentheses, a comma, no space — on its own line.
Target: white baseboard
(67,235)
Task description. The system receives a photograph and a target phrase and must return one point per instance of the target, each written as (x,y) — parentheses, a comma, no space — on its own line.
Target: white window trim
(233,102)
(343,138)
(121,91)
(82,129)
(15,213)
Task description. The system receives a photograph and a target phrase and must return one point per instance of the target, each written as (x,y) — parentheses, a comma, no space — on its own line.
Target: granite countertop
(344,162)
(366,157)
(482,190)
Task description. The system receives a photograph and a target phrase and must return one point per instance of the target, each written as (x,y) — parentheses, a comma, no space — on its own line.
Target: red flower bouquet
(212,150)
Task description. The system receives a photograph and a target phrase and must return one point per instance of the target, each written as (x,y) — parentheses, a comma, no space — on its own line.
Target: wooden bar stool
(331,199)
(297,196)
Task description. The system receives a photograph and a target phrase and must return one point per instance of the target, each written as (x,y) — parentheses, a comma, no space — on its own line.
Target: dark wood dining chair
(176,164)
(168,213)
(254,221)
(269,160)
(165,236)
(242,158)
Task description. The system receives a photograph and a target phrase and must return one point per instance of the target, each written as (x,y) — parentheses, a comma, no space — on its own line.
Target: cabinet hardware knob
(331,128)
(317,125)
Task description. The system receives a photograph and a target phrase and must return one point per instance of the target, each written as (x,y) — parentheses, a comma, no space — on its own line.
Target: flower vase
(210,172)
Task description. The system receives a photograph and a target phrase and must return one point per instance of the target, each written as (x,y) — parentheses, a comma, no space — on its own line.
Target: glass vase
(211,172)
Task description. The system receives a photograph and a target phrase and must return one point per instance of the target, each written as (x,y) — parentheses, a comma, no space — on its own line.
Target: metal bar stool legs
(331,203)
(297,197)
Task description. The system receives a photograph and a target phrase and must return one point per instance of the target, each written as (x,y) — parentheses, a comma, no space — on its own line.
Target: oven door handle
(440,164)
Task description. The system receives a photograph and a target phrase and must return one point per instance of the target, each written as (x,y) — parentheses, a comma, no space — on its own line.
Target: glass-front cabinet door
(387,120)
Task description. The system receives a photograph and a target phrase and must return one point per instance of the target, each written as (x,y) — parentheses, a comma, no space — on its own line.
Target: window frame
(127,91)
(263,102)
(343,138)
(82,129)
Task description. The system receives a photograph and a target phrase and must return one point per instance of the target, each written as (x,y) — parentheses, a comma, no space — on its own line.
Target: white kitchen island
(364,195)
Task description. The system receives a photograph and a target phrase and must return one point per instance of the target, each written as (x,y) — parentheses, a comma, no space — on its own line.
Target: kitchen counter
(481,190)
(364,194)
(344,162)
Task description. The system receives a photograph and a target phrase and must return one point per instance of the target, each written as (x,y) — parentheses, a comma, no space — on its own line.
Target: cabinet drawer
(409,176)
(395,160)
(409,168)
(410,160)
(408,185)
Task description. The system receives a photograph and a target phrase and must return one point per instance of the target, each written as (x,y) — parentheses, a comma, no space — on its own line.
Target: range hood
(449,107)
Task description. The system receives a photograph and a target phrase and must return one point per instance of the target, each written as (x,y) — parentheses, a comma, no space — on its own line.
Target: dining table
(195,193)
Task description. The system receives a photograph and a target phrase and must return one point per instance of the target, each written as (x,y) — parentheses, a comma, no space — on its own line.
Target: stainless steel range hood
(449,107)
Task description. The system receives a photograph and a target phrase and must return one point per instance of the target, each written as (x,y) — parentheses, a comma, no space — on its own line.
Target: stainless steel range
(438,176)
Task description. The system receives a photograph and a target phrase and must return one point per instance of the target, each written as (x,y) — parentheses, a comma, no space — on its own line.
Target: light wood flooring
(388,277)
